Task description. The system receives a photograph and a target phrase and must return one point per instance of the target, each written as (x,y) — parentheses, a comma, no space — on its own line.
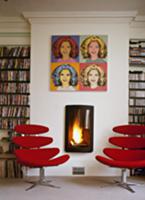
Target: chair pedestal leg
(123,183)
(25,172)
(42,181)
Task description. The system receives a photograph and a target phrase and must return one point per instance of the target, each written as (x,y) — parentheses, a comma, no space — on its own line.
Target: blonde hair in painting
(86,42)
(85,72)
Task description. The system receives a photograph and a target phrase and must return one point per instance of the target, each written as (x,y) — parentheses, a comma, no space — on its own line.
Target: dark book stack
(9,168)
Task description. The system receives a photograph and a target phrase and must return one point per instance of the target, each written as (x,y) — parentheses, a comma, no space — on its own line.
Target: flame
(77,136)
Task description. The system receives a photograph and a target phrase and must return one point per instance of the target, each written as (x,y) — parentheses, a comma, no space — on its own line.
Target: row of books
(14,51)
(13,111)
(15,76)
(136,61)
(137,110)
(10,123)
(137,43)
(9,168)
(136,102)
(14,87)
(14,99)
(137,75)
(137,51)
(137,93)
(137,85)
(18,63)
(136,119)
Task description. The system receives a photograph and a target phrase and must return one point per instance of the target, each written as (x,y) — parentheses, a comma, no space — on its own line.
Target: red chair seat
(123,158)
(121,164)
(36,154)
(125,155)
(128,142)
(40,157)
(32,141)
(45,163)
(31,129)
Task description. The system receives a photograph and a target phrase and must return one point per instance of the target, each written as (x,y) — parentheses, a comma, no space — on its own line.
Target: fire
(77,136)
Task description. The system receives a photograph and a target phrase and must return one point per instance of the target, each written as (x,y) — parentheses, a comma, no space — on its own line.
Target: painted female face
(93,77)
(65,77)
(65,48)
(93,49)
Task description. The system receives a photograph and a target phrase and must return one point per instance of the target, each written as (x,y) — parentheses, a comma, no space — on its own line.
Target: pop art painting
(78,63)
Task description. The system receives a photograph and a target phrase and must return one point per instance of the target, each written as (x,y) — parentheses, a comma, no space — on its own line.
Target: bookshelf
(137,81)
(14,101)
(137,86)
(137,52)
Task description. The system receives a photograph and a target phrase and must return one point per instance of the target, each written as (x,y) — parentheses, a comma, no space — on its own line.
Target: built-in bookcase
(137,81)
(14,101)
(137,87)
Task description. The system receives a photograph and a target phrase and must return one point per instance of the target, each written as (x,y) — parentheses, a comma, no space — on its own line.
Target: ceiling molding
(140,18)
(14,24)
(55,17)
(138,22)
(12,19)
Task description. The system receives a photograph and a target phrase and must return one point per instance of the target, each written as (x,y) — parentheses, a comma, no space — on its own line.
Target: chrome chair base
(123,182)
(42,181)
(125,185)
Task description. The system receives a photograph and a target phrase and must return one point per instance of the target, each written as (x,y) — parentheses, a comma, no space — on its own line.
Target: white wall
(111,107)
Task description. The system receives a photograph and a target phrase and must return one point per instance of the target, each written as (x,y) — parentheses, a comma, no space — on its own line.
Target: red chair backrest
(32,141)
(130,129)
(30,129)
(128,142)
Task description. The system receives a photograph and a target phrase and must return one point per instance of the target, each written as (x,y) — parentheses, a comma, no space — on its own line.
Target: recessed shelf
(137,81)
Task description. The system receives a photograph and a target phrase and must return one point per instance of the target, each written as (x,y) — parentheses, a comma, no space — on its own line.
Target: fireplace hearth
(79,128)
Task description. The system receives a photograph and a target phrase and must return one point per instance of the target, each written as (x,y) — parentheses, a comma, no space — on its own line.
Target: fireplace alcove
(79,128)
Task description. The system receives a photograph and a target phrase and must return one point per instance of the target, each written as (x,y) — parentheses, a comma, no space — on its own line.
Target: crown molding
(138,22)
(64,17)
(12,20)
(140,18)
(14,24)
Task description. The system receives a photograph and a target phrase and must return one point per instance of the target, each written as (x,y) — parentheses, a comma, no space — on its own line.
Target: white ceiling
(17,7)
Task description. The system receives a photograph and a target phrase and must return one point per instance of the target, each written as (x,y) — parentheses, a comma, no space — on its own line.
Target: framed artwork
(78,63)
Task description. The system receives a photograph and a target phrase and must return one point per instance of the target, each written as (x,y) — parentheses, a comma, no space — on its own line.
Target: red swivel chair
(129,152)
(31,155)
